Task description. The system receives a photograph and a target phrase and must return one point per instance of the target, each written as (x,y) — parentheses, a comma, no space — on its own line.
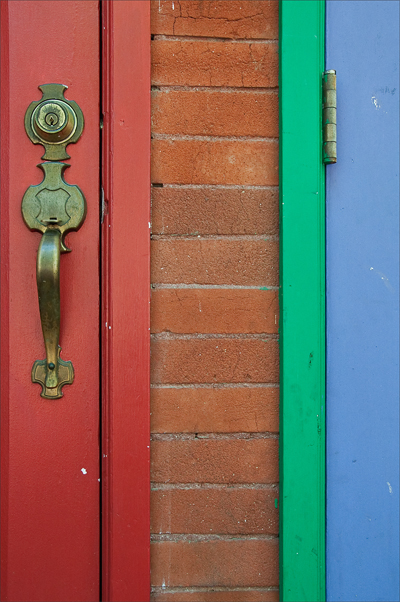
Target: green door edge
(302,302)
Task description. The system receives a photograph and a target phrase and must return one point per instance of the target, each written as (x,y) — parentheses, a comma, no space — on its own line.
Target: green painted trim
(302,324)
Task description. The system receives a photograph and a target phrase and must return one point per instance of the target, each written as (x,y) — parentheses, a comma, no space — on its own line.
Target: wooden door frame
(302,302)
(125,323)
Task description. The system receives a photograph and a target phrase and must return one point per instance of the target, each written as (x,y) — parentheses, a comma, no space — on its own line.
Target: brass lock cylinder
(54,121)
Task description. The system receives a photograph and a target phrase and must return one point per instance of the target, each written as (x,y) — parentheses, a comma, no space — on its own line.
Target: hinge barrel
(329,116)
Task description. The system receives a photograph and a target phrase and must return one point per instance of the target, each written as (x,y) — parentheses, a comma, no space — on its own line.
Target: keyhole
(51,119)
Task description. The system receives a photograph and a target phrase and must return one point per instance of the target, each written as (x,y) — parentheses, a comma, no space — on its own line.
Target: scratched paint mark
(276,503)
(83,471)
(387,90)
(384,278)
(390,487)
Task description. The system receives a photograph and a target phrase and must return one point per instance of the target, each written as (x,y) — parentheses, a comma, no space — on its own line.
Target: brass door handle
(53,372)
(54,208)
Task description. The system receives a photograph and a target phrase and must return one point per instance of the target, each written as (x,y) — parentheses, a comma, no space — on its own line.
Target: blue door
(362,42)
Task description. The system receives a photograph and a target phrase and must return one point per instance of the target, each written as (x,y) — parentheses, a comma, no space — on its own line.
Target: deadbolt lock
(54,122)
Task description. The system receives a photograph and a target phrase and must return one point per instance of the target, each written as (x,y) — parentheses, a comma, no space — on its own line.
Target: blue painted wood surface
(362,44)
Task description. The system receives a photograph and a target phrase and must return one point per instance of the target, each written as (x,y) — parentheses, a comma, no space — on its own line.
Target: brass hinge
(329,116)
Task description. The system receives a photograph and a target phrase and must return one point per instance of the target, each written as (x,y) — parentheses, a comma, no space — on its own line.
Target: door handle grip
(48,285)
(53,372)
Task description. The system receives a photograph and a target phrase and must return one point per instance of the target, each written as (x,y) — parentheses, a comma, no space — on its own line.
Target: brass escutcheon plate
(65,376)
(53,203)
(54,122)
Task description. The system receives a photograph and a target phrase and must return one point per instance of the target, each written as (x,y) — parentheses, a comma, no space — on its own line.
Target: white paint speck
(390,487)
(149,225)
(375,102)
(83,471)
(173,5)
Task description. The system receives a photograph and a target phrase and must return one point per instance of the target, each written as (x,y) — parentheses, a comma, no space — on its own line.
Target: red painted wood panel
(4,289)
(126,295)
(51,448)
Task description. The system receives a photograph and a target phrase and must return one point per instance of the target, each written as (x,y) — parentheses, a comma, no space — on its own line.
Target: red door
(51,521)
(53,464)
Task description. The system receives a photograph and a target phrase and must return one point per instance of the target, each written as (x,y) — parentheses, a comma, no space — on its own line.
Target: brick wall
(214,300)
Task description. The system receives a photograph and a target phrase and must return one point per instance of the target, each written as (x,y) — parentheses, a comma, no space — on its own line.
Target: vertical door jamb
(126,297)
(302,309)
(4,289)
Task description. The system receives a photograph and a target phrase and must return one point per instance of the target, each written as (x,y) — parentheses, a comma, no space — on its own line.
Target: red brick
(188,161)
(218,19)
(214,311)
(215,461)
(224,511)
(205,63)
(215,563)
(193,211)
(207,410)
(210,261)
(227,595)
(215,113)
(214,361)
